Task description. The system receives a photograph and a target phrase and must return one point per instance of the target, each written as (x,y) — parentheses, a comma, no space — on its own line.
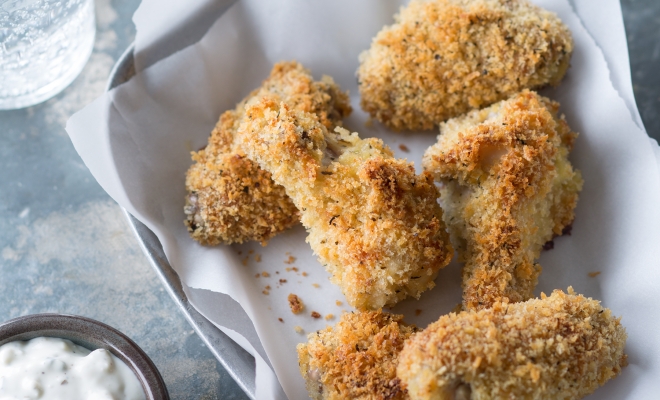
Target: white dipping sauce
(57,369)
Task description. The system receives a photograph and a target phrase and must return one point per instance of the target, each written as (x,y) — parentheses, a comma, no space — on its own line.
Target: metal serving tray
(238,363)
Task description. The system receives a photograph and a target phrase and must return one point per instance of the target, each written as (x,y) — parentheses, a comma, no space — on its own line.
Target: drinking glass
(44,44)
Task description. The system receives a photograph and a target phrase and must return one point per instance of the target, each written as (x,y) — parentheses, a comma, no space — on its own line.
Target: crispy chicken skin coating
(558,347)
(507,188)
(230,199)
(442,58)
(356,359)
(375,225)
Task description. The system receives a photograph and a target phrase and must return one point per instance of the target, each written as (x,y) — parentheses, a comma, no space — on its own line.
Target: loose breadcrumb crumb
(316,285)
(594,274)
(339,303)
(245,261)
(265,274)
(258,257)
(418,311)
(282,281)
(266,292)
(304,273)
(403,147)
(329,317)
(257,275)
(290,260)
(296,305)
(299,329)
(315,315)
(280,319)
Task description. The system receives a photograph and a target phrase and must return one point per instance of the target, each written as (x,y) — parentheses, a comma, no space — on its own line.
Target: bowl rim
(91,334)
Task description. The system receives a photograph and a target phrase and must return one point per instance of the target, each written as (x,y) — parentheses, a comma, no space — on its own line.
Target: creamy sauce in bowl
(57,369)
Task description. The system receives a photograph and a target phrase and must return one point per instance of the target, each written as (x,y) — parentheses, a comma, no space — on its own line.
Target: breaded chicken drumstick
(507,189)
(374,223)
(355,359)
(442,58)
(558,347)
(230,199)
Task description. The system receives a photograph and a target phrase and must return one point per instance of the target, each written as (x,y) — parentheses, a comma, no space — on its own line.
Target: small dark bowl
(92,335)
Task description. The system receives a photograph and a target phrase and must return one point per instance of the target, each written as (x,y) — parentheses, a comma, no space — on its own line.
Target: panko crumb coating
(356,359)
(230,199)
(507,189)
(558,347)
(442,58)
(375,225)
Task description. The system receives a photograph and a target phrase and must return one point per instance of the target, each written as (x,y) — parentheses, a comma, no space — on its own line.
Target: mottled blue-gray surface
(65,246)
(642,20)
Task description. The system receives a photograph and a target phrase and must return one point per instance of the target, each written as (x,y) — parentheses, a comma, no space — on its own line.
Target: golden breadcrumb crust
(442,58)
(558,347)
(507,189)
(356,359)
(230,199)
(375,225)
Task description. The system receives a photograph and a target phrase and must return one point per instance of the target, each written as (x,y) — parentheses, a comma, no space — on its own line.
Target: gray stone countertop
(66,246)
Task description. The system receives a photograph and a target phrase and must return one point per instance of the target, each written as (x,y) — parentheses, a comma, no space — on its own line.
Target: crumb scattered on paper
(403,147)
(250,251)
(339,303)
(316,285)
(257,275)
(265,274)
(315,315)
(280,319)
(594,274)
(418,311)
(258,257)
(304,273)
(329,317)
(299,329)
(290,260)
(295,304)
(245,261)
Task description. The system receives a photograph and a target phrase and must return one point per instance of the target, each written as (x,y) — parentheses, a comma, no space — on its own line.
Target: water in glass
(44,44)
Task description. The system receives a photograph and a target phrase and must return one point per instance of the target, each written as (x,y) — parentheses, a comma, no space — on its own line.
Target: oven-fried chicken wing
(558,347)
(442,58)
(374,224)
(230,199)
(355,359)
(507,189)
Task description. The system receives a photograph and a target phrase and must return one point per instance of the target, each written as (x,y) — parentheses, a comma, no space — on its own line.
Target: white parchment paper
(137,138)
